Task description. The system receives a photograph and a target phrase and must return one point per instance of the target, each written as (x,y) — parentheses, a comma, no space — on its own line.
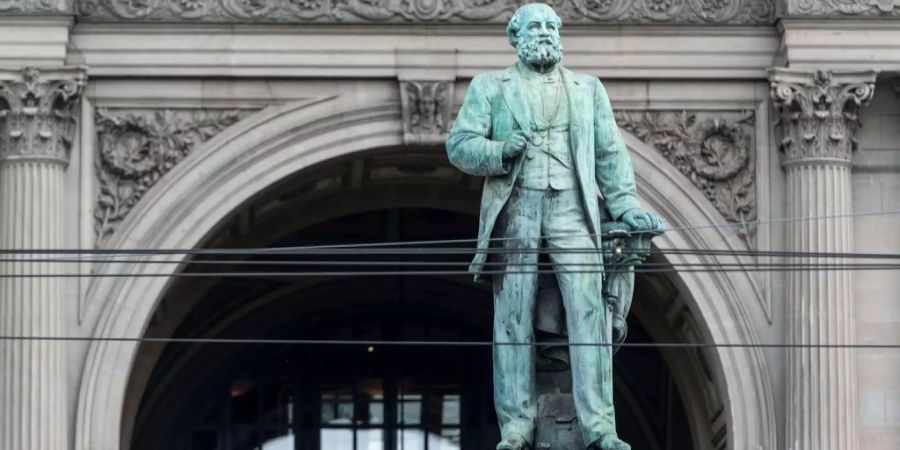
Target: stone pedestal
(557,426)
(37,124)
(818,114)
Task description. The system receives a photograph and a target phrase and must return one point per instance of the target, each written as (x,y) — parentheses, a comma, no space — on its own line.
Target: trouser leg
(587,318)
(514,302)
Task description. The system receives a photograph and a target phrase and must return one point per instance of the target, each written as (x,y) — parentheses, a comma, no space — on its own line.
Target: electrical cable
(369,343)
(371,246)
(387,273)
(415,263)
(433,251)
(396,248)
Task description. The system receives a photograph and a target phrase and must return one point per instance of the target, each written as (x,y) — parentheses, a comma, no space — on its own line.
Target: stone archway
(269,146)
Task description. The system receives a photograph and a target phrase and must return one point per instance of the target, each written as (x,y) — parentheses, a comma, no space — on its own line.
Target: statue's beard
(540,54)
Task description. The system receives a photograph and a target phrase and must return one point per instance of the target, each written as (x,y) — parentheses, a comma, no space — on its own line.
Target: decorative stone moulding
(136,149)
(426,108)
(38,118)
(750,12)
(841,8)
(714,150)
(818,112)
(29,7)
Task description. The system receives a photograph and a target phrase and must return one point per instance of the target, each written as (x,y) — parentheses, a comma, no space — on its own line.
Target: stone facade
(150,124)
(747,12)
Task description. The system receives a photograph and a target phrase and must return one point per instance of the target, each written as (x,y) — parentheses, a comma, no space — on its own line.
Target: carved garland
(37,6)
(137,149)
(842,7)
(613,11)
(715,155)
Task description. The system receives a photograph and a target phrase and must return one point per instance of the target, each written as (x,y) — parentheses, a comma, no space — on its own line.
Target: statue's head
(534,31)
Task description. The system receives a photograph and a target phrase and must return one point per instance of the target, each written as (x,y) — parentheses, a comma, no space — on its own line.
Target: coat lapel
(514,95)
(575,95)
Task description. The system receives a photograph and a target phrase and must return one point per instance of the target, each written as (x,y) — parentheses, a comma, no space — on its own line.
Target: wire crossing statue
(545,139)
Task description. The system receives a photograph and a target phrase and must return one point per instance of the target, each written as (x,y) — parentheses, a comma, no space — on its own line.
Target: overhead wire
(386,246)
(421,251)
(419,343)
(414,248)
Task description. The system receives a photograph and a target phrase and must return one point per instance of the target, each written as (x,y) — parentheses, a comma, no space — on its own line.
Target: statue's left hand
(642,220)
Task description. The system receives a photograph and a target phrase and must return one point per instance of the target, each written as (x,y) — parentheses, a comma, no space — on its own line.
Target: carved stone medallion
(715,153)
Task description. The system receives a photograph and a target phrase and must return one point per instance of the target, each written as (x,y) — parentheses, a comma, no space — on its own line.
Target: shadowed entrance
(234,396)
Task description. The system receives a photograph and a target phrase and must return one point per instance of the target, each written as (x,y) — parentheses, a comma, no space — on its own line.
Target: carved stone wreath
(135,150)
(356,11)
(717,156)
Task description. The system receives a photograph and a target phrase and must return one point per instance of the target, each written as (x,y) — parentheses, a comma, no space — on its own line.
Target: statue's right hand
(514,145)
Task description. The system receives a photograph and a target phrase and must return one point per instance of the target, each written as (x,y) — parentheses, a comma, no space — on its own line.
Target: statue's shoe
(514,442)
(609,442)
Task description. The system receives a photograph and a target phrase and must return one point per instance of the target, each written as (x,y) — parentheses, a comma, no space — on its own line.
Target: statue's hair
(515,22)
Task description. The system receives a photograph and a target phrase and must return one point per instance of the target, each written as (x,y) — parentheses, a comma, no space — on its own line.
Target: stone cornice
(746,12)
(37,113)
(37,7)
(842,8)
(818,112)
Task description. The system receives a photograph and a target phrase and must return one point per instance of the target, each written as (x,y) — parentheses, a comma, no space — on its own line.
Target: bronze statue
(544,138)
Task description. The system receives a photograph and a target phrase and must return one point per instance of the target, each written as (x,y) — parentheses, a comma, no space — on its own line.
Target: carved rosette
(136,149)
(818,113)
(751,12)
(426,108)
(38,118)
(715,153)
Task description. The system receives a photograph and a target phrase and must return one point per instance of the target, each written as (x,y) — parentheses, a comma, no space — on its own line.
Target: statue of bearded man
(544,138)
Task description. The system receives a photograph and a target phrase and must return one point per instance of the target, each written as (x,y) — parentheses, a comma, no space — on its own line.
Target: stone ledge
(379,52)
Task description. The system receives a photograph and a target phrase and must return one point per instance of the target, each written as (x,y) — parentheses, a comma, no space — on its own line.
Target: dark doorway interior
(365,397)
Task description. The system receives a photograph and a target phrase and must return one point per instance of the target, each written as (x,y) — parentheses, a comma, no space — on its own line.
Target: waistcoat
(548,156)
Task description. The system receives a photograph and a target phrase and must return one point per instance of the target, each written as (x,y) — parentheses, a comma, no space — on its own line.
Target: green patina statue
(544,138)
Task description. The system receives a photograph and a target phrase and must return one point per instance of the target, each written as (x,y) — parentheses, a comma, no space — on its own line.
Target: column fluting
(37,124)
(818,113)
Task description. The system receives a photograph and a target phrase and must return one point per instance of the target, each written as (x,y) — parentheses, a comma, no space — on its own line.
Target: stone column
(37,125)
(818,113)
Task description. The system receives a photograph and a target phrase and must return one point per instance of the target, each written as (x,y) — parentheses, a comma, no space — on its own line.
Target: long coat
(495,107)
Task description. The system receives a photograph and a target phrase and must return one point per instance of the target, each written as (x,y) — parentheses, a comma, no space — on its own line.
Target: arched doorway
(343,396)
(730,402)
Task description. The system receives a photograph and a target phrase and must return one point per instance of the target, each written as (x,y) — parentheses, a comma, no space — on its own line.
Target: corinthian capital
(38,118)
(819,113)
